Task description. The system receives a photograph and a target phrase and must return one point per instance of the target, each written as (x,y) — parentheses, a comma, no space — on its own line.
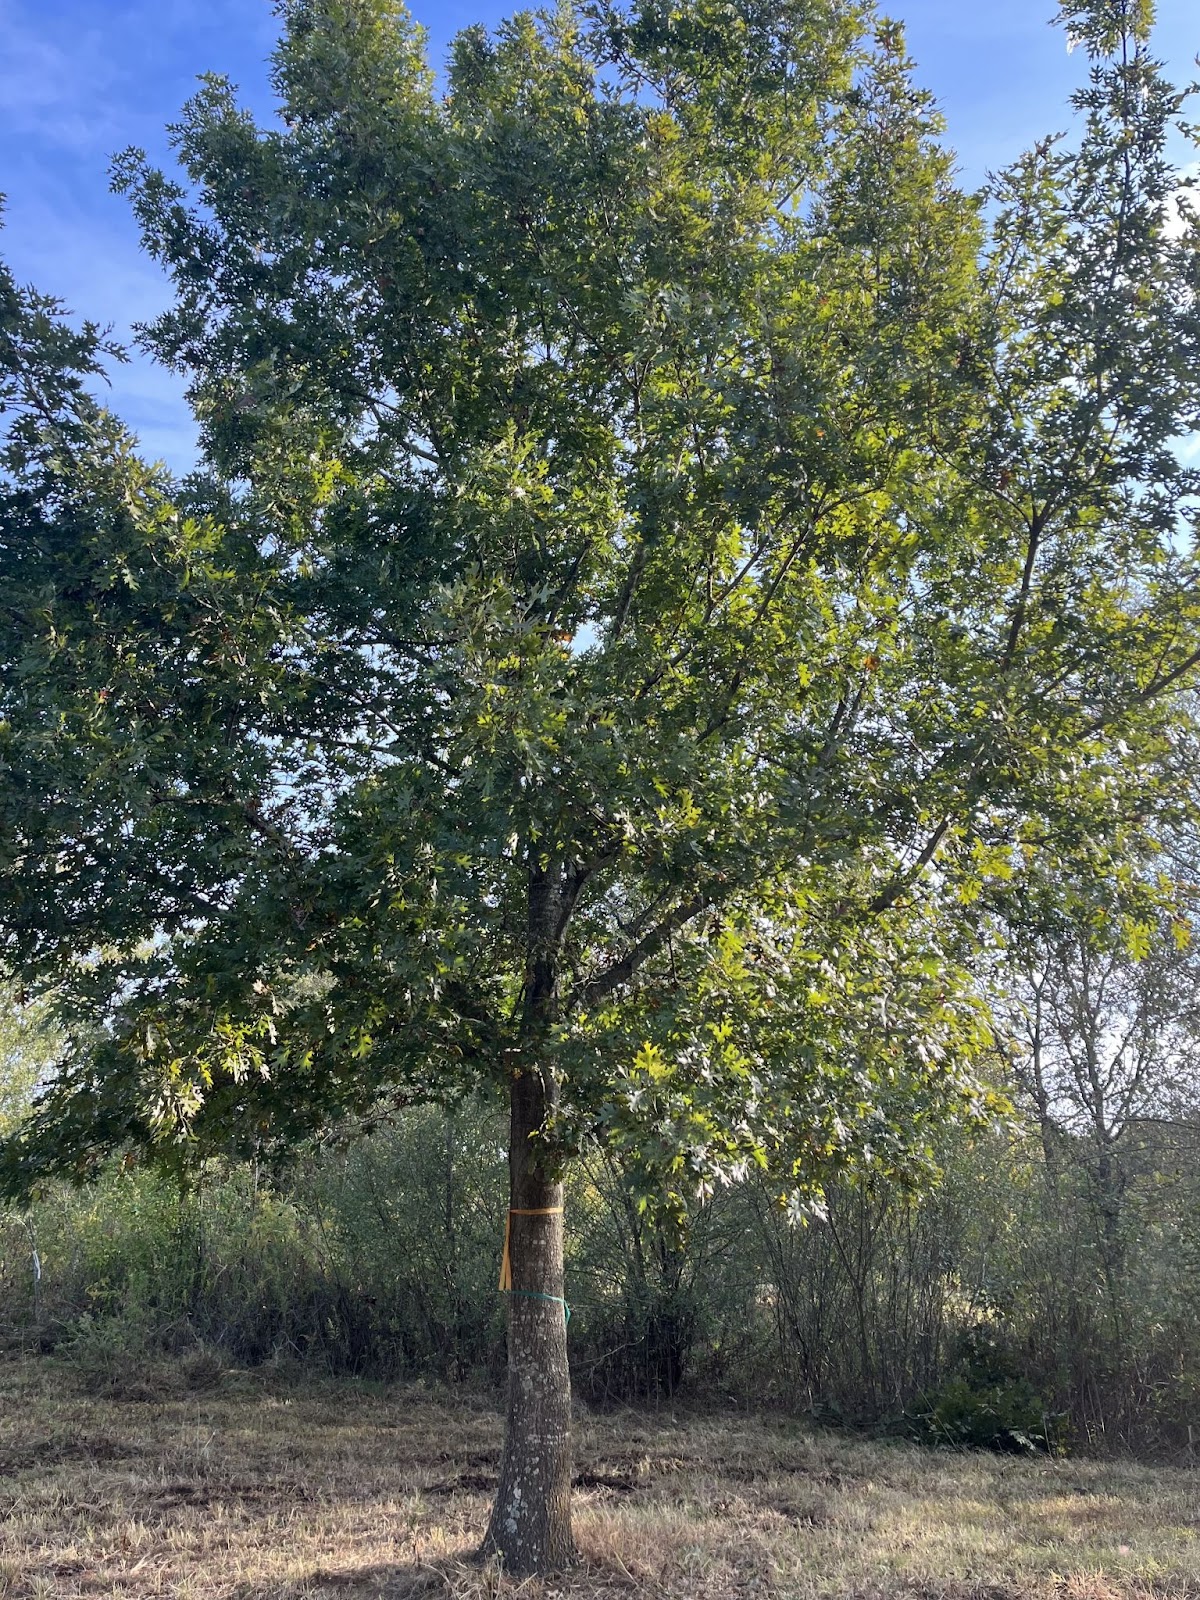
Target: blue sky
(81,79)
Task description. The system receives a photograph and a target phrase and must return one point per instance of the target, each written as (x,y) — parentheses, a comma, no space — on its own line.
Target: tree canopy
(663,557)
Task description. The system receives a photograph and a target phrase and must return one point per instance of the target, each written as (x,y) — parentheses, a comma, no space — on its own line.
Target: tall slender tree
(658,554)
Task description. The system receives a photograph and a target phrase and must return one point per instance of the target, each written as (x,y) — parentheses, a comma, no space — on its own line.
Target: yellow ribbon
(519,1211)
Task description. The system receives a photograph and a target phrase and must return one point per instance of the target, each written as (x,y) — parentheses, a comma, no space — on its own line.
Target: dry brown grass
(252,1490)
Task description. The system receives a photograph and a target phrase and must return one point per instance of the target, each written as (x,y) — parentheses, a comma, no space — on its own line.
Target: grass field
(254,1489)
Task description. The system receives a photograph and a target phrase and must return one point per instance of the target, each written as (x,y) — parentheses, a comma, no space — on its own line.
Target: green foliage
(382,1262)
(1004,1415)
(981,1313)
(661,557)
(987,1403)
(108,1356)
(27,1054)
(641,1309)
(413,1218)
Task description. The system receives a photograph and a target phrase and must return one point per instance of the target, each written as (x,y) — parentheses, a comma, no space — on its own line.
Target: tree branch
(612,978)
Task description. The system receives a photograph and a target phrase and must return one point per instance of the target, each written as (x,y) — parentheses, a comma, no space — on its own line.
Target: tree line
(1042,1295)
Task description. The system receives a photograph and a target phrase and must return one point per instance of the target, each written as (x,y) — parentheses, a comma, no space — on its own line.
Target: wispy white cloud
(109,281)
(62,96)
(80,80)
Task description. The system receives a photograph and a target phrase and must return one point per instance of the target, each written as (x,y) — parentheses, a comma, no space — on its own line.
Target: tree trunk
(530,1526)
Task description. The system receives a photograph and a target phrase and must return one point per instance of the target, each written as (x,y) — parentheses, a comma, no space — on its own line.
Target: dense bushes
(371,1261)
(985,1312)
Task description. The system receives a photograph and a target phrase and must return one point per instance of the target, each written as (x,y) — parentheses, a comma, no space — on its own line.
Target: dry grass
(251,1490)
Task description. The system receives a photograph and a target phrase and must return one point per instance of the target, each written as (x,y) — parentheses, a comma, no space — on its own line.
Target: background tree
(1098,996)
(27,1050)
(653,564)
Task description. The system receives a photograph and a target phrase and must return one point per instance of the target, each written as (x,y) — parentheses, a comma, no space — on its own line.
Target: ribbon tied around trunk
(506,1264)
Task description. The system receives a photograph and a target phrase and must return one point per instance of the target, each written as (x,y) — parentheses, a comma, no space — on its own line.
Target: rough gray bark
(530,1526)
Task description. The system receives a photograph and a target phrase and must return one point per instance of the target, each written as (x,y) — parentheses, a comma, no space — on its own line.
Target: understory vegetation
(1000,1310)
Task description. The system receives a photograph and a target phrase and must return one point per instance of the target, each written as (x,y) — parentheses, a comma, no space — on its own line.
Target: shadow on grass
(458,1578)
